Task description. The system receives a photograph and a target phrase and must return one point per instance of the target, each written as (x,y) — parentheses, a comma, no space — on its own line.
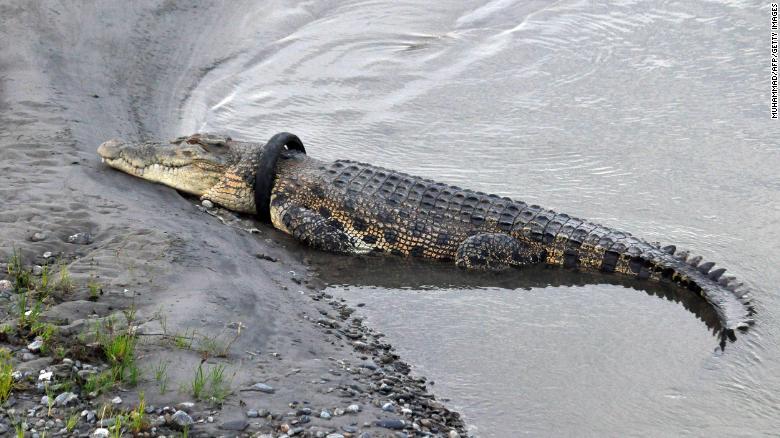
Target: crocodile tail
(729,298)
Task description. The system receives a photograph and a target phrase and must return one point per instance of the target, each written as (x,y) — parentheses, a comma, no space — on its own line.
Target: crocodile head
(216,171)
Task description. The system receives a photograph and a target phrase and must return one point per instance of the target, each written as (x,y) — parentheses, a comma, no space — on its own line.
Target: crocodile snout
(110,149)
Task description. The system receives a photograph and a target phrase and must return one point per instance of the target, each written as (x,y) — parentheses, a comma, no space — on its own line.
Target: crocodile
(350,207)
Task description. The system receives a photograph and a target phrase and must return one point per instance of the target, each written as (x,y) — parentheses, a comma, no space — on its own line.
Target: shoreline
(75,76)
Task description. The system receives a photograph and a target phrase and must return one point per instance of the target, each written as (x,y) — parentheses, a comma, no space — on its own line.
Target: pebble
(100,433)
(182,419)
(185,406)
(45,400)
(207,204)
(38,236)
(252,413)
(35,346)
(334,435)
(326,415)
(338,412)
(83,238)
(388,407)
(66,398)
(454,434)
(349,429)
(26,357)
(37,270)
(237,425)
(117,400)
(262,387)
(47,254)
(391,424)
(6,286)
(353,409)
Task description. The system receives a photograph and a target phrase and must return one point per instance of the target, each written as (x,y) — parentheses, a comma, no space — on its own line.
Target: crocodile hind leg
(317,231)
(496,252)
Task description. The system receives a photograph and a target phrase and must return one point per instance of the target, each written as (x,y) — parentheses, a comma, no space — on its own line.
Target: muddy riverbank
(203,298)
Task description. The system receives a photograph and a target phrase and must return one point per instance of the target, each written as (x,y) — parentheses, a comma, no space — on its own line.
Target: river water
(652,117)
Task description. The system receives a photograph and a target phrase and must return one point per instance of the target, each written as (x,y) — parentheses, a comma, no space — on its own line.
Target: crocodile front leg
(316,230)
(496,252)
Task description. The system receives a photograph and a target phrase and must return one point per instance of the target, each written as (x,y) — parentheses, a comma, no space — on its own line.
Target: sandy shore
(196,290)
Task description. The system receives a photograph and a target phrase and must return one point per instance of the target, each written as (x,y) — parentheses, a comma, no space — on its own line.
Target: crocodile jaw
(188,168)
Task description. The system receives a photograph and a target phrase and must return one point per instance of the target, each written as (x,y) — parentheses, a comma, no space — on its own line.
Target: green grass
(6,375)
(72,422)
(161,376)
(49,400)
(95,288)
(198,384)
(137,420)
(64,283)
(100,382)
(120,352)
(21,278)
(44,287)
(210,385)
(46,332)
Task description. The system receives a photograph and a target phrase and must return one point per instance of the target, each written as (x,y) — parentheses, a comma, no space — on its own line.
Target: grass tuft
(6,375)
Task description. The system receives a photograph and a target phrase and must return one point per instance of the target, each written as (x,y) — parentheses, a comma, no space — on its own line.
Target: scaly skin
(355,208)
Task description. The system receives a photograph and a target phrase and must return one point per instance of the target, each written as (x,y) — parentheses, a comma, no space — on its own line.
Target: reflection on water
(649,116)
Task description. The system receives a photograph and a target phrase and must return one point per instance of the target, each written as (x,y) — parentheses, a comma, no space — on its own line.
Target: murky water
(652,117)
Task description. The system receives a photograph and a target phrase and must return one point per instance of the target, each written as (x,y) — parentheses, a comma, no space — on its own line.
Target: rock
(262,387)
(45,400)
(37,270)
(391,424)
(66,398)
(326,415)
(47,254)
(237,425)
(6,286)
(4,428)
(182,419)
(207,204)
(117,400)
(83,238)
(26,357)
(338,412)
(252,413)
(35,346)
(100,433)
(334,435)
(454,434)
(185,406)
(262,256)
(39,236)
(388,407)
(353,409)
(349,429)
